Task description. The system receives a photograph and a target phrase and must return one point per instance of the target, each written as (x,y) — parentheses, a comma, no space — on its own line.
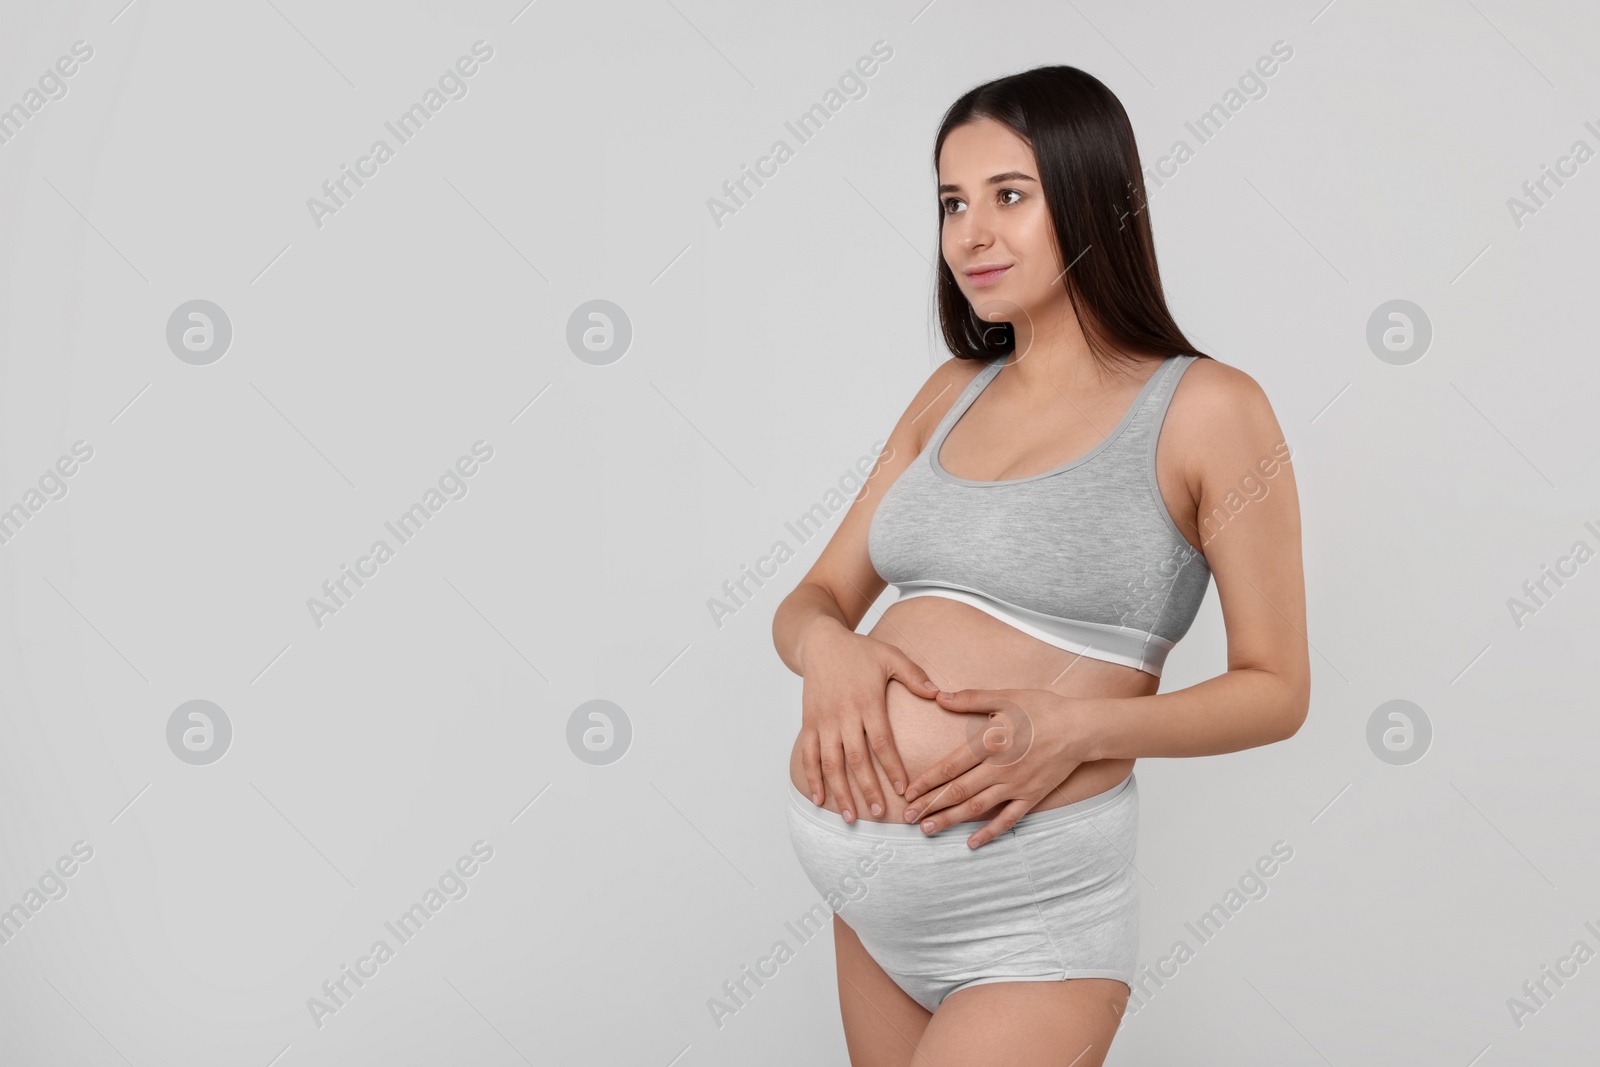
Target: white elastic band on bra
(1115,644)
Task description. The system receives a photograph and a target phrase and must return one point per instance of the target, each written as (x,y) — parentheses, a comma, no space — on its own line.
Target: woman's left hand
(1029,746)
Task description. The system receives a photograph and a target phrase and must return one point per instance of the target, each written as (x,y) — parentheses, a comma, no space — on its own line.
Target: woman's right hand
(845,718)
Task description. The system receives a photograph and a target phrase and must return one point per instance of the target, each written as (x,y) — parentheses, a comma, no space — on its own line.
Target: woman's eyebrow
(1008,176)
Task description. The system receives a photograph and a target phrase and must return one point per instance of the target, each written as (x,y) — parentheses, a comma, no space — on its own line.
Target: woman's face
(994,214)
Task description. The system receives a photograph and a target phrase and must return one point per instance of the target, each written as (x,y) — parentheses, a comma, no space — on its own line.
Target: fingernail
(877,809)
(816,798)
(900,787)
(928,826)
(911,816)
(847,815)
(945,694)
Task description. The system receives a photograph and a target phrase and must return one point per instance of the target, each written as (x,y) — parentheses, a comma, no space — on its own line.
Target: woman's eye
(950,203)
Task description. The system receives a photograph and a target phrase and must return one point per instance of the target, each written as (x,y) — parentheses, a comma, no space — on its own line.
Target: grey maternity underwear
(1054,897)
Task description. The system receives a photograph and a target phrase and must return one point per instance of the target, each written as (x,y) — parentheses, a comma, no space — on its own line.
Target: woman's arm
(842,585)
(1238,471)
(845,721)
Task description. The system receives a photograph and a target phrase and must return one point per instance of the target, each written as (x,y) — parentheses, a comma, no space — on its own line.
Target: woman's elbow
(1295,707)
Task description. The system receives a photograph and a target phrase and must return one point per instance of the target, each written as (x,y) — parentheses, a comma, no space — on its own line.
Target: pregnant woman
(1051,508)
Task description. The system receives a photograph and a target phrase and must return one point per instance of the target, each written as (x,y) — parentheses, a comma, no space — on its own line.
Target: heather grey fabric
(1054,897)
(1084,557)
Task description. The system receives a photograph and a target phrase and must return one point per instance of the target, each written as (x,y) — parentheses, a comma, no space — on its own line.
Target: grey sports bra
(1084,557)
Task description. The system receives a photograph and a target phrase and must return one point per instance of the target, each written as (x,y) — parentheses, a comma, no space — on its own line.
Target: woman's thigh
(882,1025)
(1026,1024)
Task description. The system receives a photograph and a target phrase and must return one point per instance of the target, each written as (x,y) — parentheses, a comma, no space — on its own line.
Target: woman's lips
(988,277)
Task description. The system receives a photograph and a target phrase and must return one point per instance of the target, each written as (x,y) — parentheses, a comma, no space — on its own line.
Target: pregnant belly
(963,648)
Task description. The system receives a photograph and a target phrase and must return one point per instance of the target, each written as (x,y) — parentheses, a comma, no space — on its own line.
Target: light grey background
(432,710)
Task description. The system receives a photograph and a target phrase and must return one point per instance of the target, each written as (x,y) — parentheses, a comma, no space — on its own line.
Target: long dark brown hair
(1092,183)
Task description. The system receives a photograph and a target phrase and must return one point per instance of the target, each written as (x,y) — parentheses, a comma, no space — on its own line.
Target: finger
(1000,823)
(810,759)
(880,738)
(958,790)
(859,759)
(913,677)
(966,811)
(833,772)
(974,699)
(954,763)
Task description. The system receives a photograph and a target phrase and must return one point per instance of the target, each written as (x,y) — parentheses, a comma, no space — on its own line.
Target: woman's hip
(1057,893)
(1070,853)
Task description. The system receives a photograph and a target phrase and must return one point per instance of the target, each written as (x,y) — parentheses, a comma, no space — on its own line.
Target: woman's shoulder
(939,393)
(1219,414)
(1211,390)
(957,371)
